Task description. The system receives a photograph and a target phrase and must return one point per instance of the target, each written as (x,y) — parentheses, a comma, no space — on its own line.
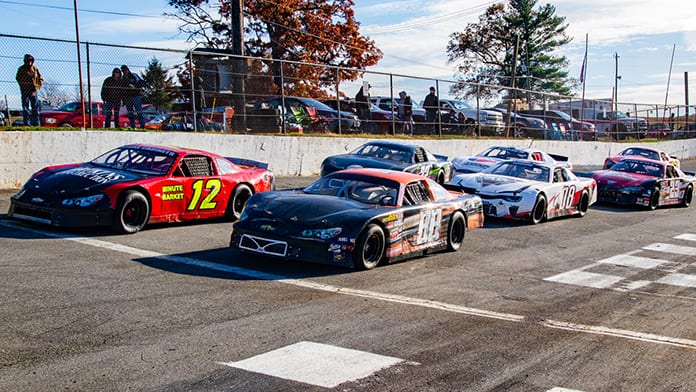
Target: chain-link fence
(215,90)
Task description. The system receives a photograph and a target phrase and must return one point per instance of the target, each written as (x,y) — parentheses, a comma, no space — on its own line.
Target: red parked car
(69,115)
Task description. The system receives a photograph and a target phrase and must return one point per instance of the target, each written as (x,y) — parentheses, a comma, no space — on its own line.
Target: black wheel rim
(372,251)
(133,214)
(240,201)
(457,235)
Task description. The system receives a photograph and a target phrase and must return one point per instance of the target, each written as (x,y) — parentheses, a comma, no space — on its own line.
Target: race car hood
(79,179)
(620,179)
(491,184)
(473,164)
(296,207)
(350,160)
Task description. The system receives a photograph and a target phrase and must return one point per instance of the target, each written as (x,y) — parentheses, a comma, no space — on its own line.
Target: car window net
(196,167)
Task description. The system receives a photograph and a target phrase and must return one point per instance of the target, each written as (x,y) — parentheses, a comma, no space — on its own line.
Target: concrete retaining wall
(24,152)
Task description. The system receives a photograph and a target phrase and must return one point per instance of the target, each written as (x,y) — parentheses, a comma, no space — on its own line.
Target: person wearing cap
(30,80)
(131,96)
(406,113)
(112,94)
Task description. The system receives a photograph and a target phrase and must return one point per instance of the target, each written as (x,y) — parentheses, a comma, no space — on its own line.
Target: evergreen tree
(484,51)
(159,88)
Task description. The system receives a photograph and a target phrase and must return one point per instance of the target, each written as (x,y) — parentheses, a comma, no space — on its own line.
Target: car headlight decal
(83,201)
(323,234)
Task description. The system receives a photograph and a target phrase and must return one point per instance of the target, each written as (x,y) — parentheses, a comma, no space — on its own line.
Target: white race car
(529,190)
(494,154)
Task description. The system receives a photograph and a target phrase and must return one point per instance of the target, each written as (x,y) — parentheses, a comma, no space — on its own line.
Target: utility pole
(238,65)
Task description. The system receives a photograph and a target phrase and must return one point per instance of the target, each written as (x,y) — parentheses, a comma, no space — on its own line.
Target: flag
(582,69)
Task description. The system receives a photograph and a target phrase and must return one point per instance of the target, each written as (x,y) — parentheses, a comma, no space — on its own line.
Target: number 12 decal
(429,227)
(208,203)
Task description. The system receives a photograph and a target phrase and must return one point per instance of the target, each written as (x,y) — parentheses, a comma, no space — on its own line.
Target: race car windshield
(638,167)
(504,153)
(526,171)
(389,153)
(356,189)
(148,161)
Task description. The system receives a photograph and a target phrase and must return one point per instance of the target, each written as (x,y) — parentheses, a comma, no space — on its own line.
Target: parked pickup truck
(488,122)
(618,124)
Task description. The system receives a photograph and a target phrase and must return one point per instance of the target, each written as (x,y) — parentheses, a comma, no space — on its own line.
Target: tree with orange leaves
(309,34)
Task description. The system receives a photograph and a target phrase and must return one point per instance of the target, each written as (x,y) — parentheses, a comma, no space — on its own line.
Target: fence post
(89,88)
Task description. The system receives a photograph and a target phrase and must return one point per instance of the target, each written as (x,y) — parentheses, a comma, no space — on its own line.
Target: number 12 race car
(133,185)
(357,218)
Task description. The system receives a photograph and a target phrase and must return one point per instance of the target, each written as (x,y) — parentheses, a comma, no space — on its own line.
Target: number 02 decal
(429,226)
(208,203)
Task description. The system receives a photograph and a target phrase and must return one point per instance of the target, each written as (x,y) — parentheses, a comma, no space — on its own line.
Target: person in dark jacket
(431,104)
(131,96)
(362,105)
(30,80)
(112,95)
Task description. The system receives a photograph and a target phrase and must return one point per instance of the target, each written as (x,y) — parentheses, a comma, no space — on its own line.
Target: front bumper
(60,217)
(331,252)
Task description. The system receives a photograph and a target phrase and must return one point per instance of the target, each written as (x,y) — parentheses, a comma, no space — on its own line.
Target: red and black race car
(644,182)
(133,185)
(357,218)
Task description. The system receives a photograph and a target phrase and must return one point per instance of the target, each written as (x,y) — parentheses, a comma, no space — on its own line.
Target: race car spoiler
(247,162)
(559,158)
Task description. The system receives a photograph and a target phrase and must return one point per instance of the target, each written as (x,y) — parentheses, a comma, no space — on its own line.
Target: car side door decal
(429,226)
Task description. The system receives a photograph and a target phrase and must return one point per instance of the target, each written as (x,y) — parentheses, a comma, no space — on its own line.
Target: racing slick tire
(654,198)
(441,177)
(539,210)
(584,204)
(370,247)
(132,212)
(456,232)
(236,204)
(688,196)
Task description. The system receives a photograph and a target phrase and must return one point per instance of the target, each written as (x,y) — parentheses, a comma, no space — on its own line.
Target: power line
(81,9)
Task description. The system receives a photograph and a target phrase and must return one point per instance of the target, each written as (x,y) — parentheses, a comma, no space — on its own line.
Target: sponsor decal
(173,192)
(335,248)
(267,228)
(100,176)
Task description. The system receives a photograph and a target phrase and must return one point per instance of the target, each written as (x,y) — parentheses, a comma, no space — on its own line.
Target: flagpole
(583,75)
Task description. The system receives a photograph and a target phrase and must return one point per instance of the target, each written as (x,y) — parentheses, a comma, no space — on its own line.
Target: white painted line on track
(633,261)
(686,236)
(586,279)
(316,364)
(669,248)
(676,279)
(621,333)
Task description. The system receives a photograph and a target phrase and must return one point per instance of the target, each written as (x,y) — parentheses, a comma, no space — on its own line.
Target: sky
(650,38)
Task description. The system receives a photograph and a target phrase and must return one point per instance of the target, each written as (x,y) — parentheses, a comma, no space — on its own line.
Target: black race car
(393,156)
(357,218)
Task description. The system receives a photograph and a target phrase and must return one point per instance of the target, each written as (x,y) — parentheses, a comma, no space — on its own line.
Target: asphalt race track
(601,303)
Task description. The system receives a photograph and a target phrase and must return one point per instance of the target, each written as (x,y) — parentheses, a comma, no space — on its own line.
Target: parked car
(523,126)
(182,121)
(357,218)
(637,181)
(529,190)
(382,121)
(645,152)
(472,120)
(310,112)
(394,156)
(495,154)
(69,115)
(138,184)
(618,124)
(556,119)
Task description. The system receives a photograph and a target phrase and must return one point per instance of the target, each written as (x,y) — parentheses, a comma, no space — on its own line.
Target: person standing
(111,93)
(30,80)
(362,105)
(131,96)
(431,104)
(406,113)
